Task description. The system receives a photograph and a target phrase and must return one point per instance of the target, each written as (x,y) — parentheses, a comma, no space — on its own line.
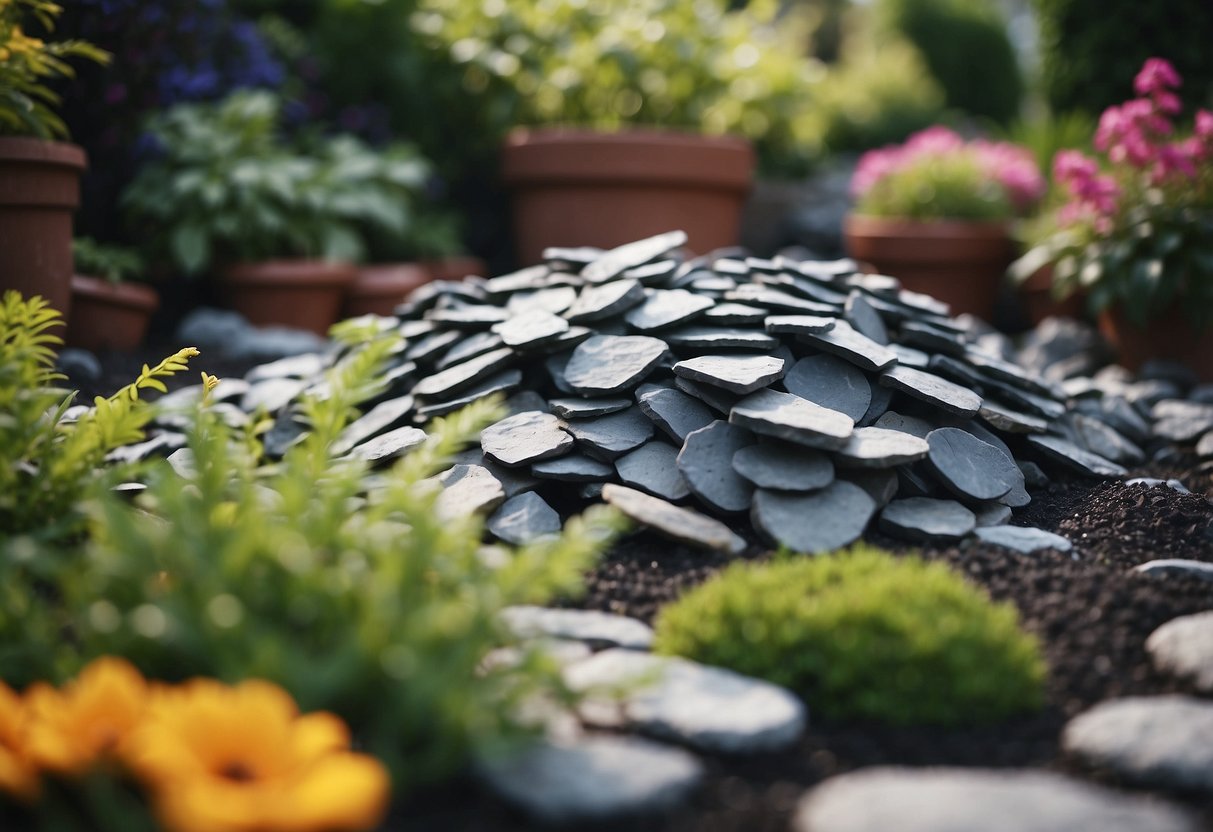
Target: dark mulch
(1091,614)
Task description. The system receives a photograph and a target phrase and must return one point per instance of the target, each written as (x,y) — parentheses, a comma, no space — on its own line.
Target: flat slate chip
(846,343)
(874,447)
(933,390)
(970,468)
(607,364)
(609,437)
(525,438)
(924,519)
(814,523)
(789,417)
(830,382)
(675,412)
(446,383)
(678,523)
(653,467)
(782,466)
(738,374)
(706,461)
(667,307)
(615,262)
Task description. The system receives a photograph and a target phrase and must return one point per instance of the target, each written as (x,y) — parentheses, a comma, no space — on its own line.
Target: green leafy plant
(228,186)
(117,264)
(862,634)
(29,65)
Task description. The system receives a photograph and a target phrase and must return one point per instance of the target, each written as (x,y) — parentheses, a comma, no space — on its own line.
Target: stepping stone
(785,416)
(970,468)
(388,446)
(822,521)
(846,343)
(706,461)
(1075,458)
(738,374)
(1022,539)
(573,468)
(708,708)
(884,798)
(733,314)
(1178,567)
(446,383)
(609,437)
(525,438)
(272,394)
(676,413)
(800,324)
(1183,647)
(783,467)
(615,262)
(594,778)
(502,382)
(609,364)
(379,418)
(653,468)
(716,338)
(531,328)
(467,490)
(594,303)
(1164,741)
(1011,421)
(924,519)
(864,318)
(667,307)
(597,628)
(880,448)
(586,408)
(830,382)
(941,393)
(523,518)
(678,523)
(1182,421)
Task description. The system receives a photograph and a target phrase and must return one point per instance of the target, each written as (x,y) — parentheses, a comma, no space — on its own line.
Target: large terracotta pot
(581,188)
(39,192)
(109,316)
(960,263)
(456,267)
(380,287)
(1168,336)
(303,294)
(1036,295)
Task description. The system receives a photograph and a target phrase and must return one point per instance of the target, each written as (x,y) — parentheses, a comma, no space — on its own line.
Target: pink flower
(1072,166)
(1203,122)
(934,140)
(1155,76)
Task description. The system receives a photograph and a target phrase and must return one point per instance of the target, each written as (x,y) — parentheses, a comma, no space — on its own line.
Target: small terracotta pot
(1168,336)
(380,287)
(303,294)
(456,267)
(109,316)
(1036,295)
(582,188)
(960,263)
(39,191)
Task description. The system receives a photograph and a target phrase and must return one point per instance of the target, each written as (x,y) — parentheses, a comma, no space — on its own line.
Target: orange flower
(242,759)
(18,774)
(72,729)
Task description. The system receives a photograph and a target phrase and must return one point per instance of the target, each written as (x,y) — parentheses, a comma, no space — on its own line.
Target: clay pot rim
(42,151)
(865,224)
(123,294)
(377,279)
(561,135)
(287,271)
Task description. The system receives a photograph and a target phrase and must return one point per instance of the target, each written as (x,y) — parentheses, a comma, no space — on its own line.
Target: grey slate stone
(1178,567)
(573,467)
(594,303)
(830,382)
(881,485)
(821,521)
(676,413)
(304,366)
(719,337)
(846,343)
(611,264)
(929,388)
(389,446)
(970,468)
(467,490)
(379,418)
(445,384)
(784,416)
(530,328)
(706,462)
(992,514)
(653,468)
(782,466)
(714,397)
(880,448)
(925,519)
(733,314)
(578,408)
(597,628)
(608,364)
(1022,539)
(799,324)
(609,437)
(1183,647)
(864,318)
(739,374)
(272,395)
(1204,447)
(892,420)
(502,382)
(523,518)
(1075,458)
(678,523)
(667,307)
(1011,421)
(525,438)
(1182,421)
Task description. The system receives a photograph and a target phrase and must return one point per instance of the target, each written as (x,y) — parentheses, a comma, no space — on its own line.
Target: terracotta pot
(581,188)
(456,267)
(1036,295)
(39,191)
(109,316)
(960,263)
(1168,336)
(303,294)
(380,287)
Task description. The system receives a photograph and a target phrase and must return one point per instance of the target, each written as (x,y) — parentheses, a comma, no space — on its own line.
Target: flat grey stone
(610,264)
(595,303)
(503,382)
(554,299)
(428,348)
(881,484)
(599,628)
(607,364)
(739,374)
(992,514)
(611,436)
(305,366)
(676,413)
(1204,447)
(830,382)
(272,395)
(969,467)
(1011,421)
(800,324)
(1075,458)
(467,490)
(577,408)
(753,294)
(653,273)
(814,523)
(924,519)
(1183,647)
(733,314)
(880,448)
(1162,741)
(1104,440)
(714,338)
(708,708)
(159,445)
(1178,567)
(892,420)
(573,467)
(514,481)
(1022,539)
(782,466)
(525,400)
(1182,421)
(445,384)
(884,798)
(388,446)
(933,390)
(849,345)
(785,416)
(530,328)
(864,318)
(910,357)
(525,438)
(653,468)
(379,418)
(678,523)
(667,307)
(467,316)
(706,462)
(523,518)
(931,339)
(714,397)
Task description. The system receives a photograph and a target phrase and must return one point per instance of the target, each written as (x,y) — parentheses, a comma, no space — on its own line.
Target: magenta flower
(1156,75)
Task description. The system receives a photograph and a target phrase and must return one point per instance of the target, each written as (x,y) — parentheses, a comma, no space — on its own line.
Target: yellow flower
(70,730)
(18,774)
(242,759)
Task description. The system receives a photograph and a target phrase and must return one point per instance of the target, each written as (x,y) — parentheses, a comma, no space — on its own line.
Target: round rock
(706,461)
(970,468)
(1183,647)
(924,519)
(525,438)
(814,523)
(781,466)
(830,382)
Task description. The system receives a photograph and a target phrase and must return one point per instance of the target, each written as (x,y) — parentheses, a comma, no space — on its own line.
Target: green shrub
(1091,49)
(108,262)
(861,634)
(967,50)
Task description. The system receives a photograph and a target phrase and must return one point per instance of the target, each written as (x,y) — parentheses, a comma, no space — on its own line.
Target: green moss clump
(861,634)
